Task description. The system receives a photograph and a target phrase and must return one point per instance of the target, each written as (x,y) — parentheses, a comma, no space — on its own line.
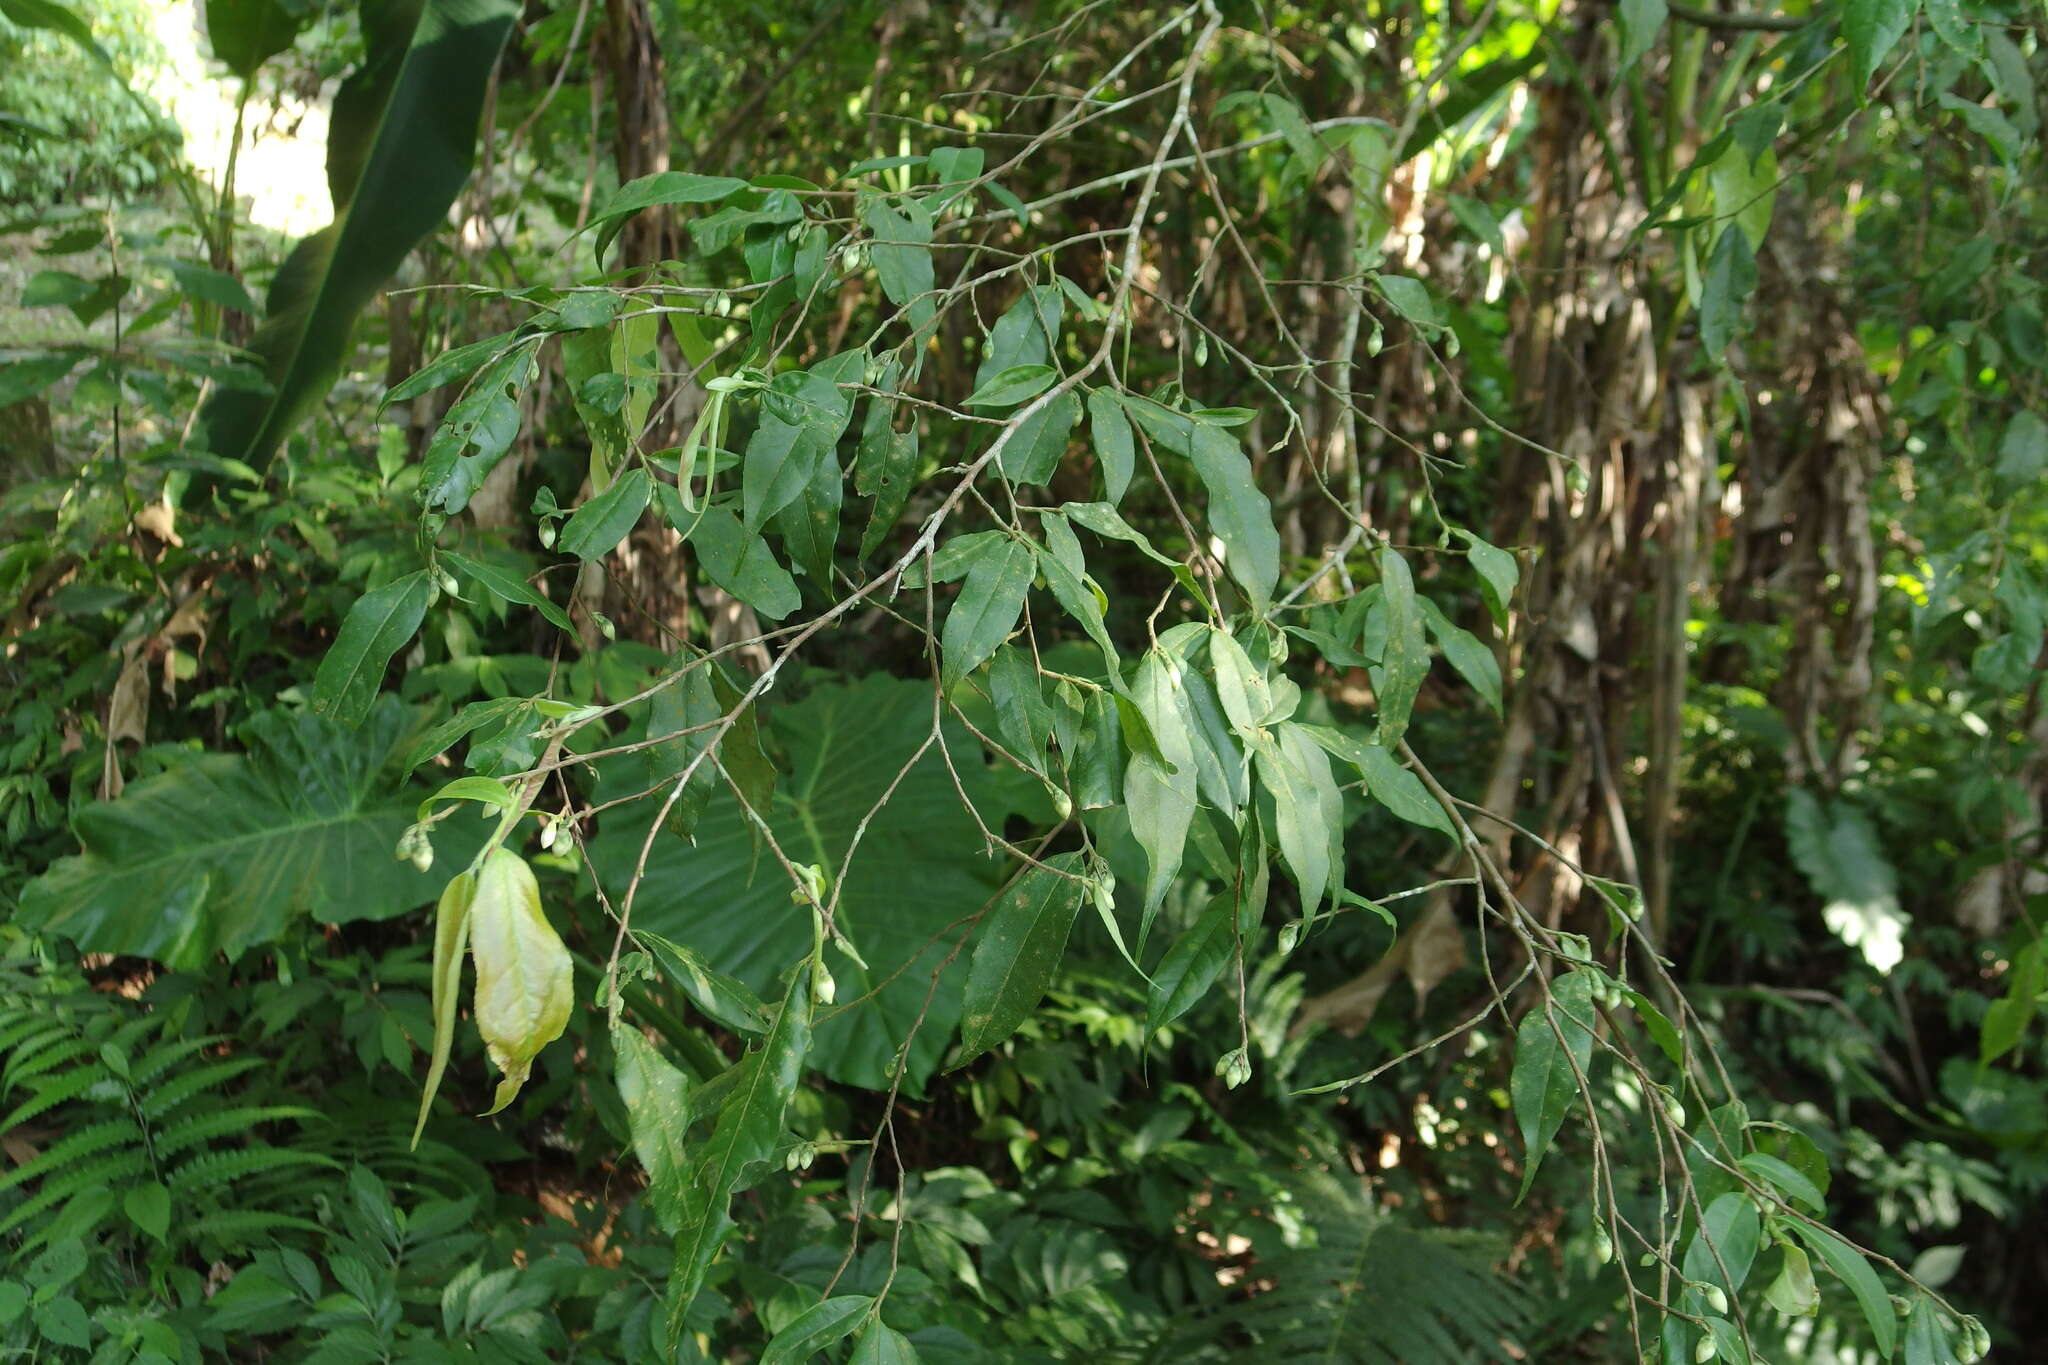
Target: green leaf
(603,522)
(216,287)
(451,940)
(402,140)
(1022,717)
(148,1206)
(1160,790)
(477,431)
(1018,384)
(845,745)
(449,366)
(1405,661)
(1115,450)
(1657,1025)
(990,603)
(221,852)
(474,716)
(523,971)
(1838,850)
(1023,338)
(724,999)
(651,191)
(749,1127)
(1641,21)
(817,1327)
(788,448)
(902,256)
(1239,513)
(2023,451)
(881,1344)
(507,587)
(63,1321)
(1731,276)
(741,563)
(657,1100)
(1410,298)
(1872,27)
(1473,661)
(381,623)
(1022,941)
(1784,1178)
(1728,1238)
(1553,1046)
(1498,574)
(244,34)
(27,378)
(1192,965)
(1849,1265)
(1294,775)
(1793,1292)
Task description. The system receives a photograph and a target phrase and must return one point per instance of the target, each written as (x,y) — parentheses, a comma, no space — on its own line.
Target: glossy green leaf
(1192,965)
(1873,27)
(1404,663)
(1022,941)
(1018,384)
(1298,815)
(1115,449)
(817,1327)
(1784,1178)
(902,255)
(1023,719)
(989,605)
(1386,781)
(1498,574)
(1854,1271)
(725,999)
(1160,790)
(601,523)
(1473,661)
(1793,1291)
(1730,278)
(402,140)
(508,587)
(740,562)
(748,1129)
(1724,1248)
(382,622)
(222,851)
(1657,1025)
(478,430)
(882,1344)
(1410,298)
(651,191)
(1553,1048)
(657,1100)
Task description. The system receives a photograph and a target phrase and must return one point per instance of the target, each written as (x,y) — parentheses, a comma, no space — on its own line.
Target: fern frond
(221,1123)
(162,1103)
(83,1143)
(241,1228)
(104,1172)
(57,1090)
(16,1031)
(213,1170)
(33,1059)
(164,1056)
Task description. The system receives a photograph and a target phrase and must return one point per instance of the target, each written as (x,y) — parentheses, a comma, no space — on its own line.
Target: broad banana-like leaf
(222,852)
(403,140)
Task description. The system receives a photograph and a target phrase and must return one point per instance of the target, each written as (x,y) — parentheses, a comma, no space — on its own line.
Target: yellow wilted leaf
(523,992)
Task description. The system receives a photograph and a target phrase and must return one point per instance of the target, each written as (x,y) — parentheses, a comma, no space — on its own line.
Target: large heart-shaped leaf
(404,137)
(221,853)
(919,870)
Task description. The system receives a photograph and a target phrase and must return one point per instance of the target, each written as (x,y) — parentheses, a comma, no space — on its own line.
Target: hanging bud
(523,973)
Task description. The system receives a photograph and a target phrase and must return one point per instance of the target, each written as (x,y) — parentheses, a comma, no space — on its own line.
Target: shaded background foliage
(1738,353)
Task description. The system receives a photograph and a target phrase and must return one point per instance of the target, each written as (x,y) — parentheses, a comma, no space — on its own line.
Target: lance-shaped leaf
(986,612)
(1553,1048)
(604,521)
(1390,784)
(1854,1271)
(380,624)
(451,937)
(1021,945)
(219,853)
(403,139)
(1159,789)
(1115,450)
(749,1127)
(1192,965)
(657,1099)
(523,993)
(1239,514)
(817,1327)
(1404,662)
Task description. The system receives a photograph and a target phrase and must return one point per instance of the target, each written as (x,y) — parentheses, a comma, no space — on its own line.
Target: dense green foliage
(889,682)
